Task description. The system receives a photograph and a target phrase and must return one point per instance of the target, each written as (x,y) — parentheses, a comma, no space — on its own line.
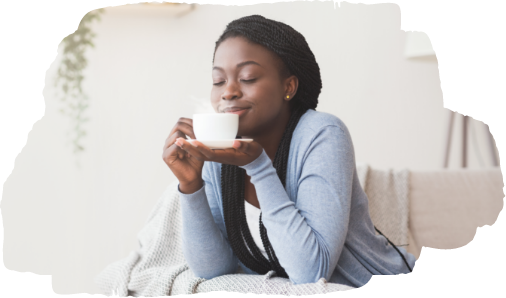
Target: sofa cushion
(447,206)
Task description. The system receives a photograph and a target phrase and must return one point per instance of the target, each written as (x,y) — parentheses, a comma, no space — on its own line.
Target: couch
(447,206)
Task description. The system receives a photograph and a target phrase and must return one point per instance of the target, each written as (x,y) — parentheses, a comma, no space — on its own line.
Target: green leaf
(70,76)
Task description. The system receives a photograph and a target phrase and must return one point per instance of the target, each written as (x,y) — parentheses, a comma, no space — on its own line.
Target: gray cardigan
(319,226)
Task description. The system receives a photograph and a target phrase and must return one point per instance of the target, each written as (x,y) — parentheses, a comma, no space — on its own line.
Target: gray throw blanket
(158,267)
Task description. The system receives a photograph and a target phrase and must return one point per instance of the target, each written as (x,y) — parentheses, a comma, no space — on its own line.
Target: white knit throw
(158,267)
(388,194)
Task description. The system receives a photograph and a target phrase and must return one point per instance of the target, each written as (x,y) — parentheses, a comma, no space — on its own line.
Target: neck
(270,138)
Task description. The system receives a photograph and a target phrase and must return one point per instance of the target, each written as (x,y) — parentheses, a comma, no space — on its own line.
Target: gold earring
(288,96)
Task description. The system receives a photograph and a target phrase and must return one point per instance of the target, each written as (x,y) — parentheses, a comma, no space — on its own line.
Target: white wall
(149,68)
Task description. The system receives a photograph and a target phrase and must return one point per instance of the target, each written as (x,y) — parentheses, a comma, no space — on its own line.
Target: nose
(232,91)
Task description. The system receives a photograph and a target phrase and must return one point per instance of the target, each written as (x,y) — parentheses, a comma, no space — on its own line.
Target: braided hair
(297,59)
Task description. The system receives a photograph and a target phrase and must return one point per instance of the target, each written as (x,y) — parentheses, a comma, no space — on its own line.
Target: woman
(290,201)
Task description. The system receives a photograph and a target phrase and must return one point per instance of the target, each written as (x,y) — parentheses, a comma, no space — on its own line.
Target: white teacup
(215,126)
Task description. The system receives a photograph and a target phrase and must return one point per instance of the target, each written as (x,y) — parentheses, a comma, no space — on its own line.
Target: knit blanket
(158,268)
(388,194)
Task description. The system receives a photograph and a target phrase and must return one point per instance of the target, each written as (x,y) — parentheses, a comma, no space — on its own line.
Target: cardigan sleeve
(308,236)
(205,247)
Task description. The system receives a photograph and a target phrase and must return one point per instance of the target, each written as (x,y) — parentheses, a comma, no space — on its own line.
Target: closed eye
(246,81)
(219,83)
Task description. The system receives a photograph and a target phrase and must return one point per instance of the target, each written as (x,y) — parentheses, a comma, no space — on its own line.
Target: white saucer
(220,144)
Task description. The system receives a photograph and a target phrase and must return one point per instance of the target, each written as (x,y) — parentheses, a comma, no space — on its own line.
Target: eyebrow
(240,64)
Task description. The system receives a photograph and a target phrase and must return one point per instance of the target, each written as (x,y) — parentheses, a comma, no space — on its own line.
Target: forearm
(306,248)
(205,248)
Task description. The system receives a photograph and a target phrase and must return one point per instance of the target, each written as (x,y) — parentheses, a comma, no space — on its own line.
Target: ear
(291,85)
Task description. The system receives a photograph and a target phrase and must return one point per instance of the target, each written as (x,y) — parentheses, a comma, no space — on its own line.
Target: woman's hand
(241,154)
(186,168)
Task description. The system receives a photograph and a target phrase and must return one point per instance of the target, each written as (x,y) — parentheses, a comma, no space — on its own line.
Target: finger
(181,155)
(243,147)
(173,153)
(182,120)
(171,143)
(208,152)
(247,148)
(185,125)
(227,156)
(173,150)
(171,139)
(193,150)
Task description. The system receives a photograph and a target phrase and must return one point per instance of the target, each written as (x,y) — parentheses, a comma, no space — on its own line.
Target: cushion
(447,206)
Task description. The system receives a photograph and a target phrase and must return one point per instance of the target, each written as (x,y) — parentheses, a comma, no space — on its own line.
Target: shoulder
(314,122)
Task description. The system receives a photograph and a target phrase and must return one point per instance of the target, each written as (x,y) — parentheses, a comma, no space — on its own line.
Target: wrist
(191,187)
(260,162)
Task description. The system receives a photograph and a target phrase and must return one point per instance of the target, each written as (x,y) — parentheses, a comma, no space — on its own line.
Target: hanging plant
(69,77)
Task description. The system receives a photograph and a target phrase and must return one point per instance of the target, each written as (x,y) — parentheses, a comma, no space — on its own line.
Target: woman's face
(246,76)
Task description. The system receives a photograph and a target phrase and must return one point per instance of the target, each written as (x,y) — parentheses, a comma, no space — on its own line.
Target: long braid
(234,217)
(280,164)
(298,60)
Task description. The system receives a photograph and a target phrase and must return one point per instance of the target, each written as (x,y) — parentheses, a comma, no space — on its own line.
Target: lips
(234,109)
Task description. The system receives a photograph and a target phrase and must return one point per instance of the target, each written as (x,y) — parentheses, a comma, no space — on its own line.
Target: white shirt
(252,218)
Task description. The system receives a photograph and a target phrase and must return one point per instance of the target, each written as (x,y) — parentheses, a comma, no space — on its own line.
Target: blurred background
(91,170)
